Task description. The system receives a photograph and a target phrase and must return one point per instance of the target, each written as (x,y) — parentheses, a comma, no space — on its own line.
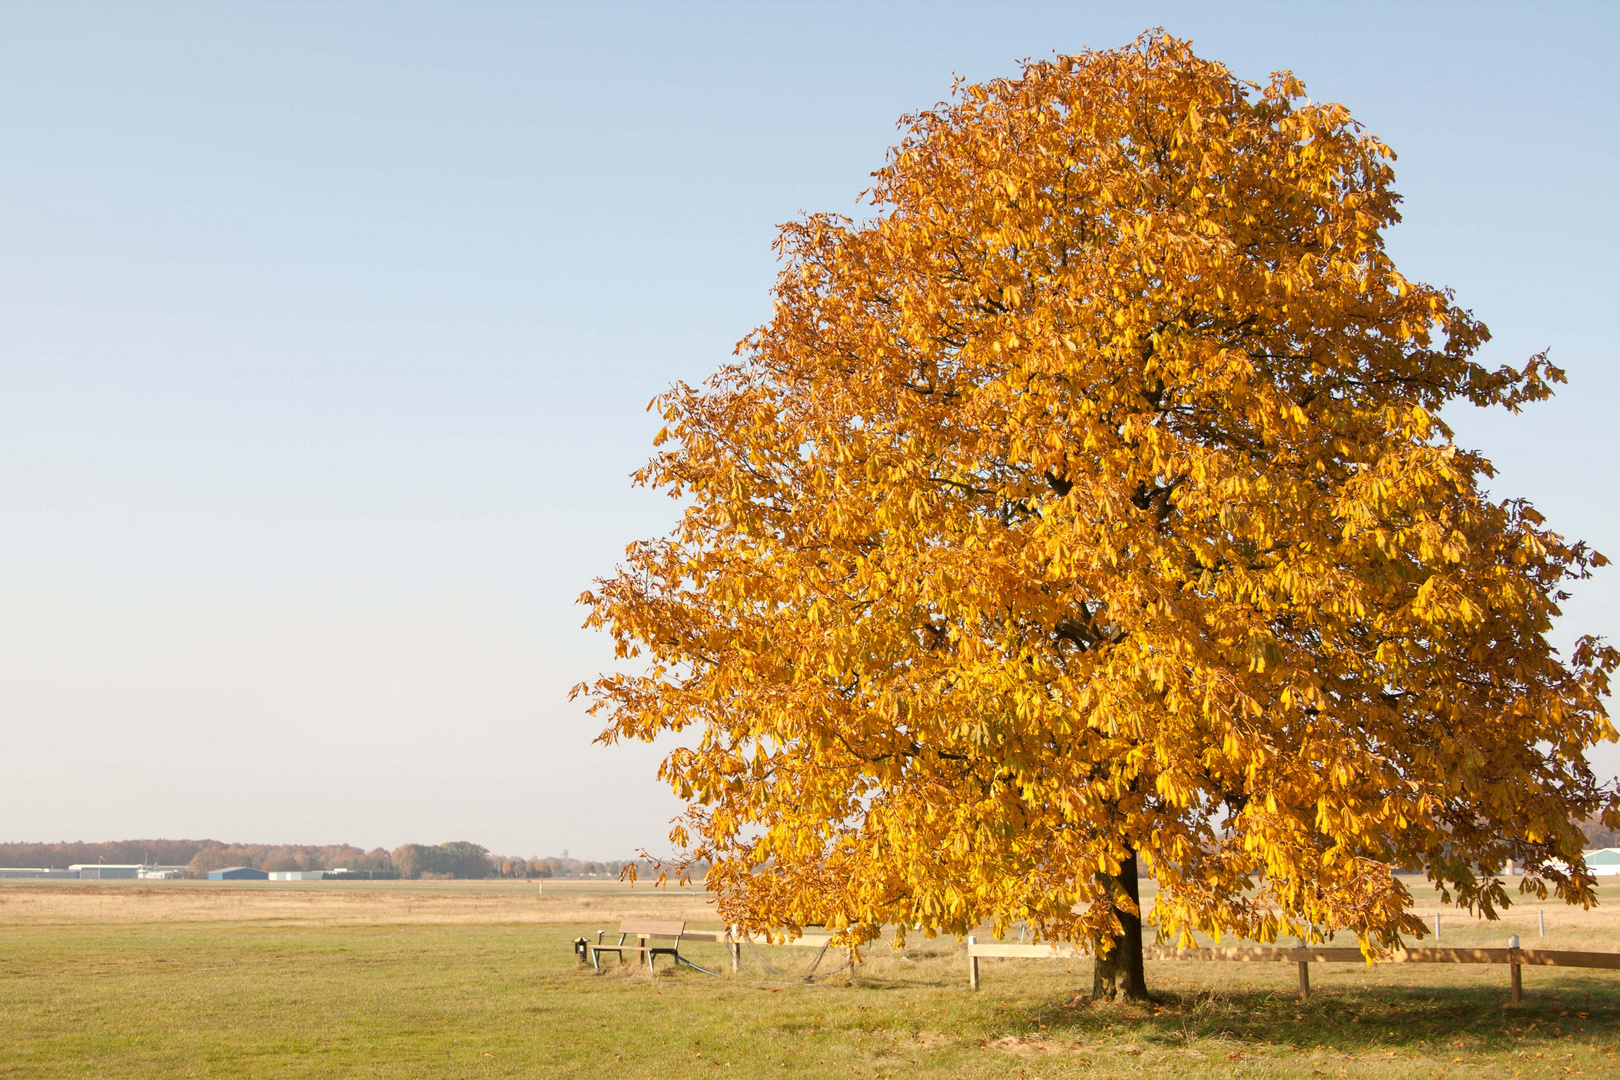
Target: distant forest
(456,859)
(1599,834)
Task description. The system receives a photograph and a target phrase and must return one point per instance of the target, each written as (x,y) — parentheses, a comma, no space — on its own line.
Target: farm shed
(297,875)
(237,873)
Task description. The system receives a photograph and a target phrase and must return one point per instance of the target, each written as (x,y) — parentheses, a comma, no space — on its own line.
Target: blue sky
(327,330)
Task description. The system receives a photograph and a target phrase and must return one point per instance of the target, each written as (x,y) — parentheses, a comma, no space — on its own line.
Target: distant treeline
(456,859)
(1600,835)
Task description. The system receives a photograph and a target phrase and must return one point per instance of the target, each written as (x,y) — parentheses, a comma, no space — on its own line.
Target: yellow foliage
(1093,500)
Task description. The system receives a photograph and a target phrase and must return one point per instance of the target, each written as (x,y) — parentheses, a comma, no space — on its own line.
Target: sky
(327,332)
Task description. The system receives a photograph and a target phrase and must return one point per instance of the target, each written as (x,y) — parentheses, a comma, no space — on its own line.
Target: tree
(1599,835)
(411,860)
(1087,508)
(209,858)
(465,859)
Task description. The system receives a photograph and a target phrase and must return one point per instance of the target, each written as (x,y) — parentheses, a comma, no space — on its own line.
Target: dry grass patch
(339,903)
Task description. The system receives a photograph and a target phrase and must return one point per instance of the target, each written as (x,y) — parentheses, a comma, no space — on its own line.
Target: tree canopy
(1090,502)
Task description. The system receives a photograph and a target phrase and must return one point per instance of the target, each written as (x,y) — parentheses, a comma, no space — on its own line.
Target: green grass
(212,1000)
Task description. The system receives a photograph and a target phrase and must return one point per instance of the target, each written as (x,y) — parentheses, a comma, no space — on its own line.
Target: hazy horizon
(158,857)
(329,331)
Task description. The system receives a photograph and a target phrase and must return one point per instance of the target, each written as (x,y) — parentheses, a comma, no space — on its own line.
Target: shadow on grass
(1349,1021)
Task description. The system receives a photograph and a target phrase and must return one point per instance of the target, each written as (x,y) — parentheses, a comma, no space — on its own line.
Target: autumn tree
(456,859)
(411,860)
(465,859)
(208,858)
(1089,508)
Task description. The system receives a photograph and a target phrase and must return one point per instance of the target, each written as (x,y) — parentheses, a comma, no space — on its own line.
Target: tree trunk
(1120,970)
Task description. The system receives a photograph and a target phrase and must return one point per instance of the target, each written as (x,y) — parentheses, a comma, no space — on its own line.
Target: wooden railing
(735,942)
(1513,956)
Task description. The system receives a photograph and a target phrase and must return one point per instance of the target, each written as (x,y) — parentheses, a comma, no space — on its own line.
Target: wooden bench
(644,930)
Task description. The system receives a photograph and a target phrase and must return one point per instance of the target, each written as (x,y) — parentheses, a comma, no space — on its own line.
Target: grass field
(465,979)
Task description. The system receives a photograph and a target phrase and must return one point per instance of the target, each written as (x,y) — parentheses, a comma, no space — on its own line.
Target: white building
(109,871)
(1603,861)
(103,871)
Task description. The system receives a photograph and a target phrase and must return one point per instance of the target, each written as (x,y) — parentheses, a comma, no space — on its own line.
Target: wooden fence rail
(1513,956)
(1305,956)
(735,942)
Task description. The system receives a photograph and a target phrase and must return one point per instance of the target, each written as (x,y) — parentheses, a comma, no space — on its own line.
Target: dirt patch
(929,1040)
(1021,1045)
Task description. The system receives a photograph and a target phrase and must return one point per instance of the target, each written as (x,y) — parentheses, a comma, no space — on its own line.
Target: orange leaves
(1093,497)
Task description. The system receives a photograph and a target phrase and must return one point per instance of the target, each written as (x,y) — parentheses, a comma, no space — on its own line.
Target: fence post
(1304,973)
(1437,926)
(1541,922)
(973,965)
(1513,968)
